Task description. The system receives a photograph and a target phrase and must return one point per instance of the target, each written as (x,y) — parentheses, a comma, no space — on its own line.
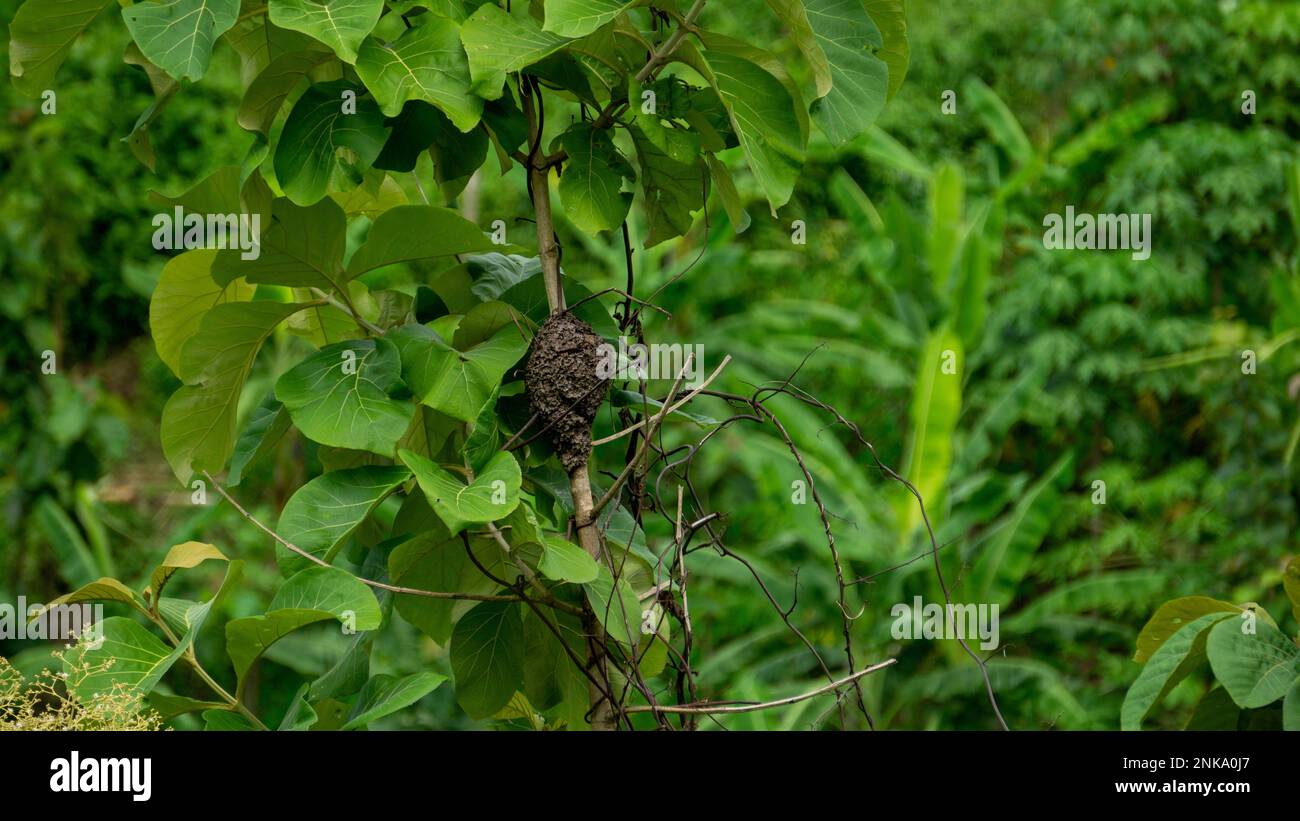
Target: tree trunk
(603,716)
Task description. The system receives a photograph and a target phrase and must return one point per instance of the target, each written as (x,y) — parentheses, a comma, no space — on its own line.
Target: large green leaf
(40,37)
(178,35)
(672,189)
(492,495)
(456,382)
(437,561)
(794,17)
(765,119)
(487,657)
(936,403)
(310,596)
(498,43)
(411,232)
(591,185)
(1256,668)
(859,79)
(198,422)
(339,396)
(384,695)
(339,24)
(139,659)
(1183,652)
(326,510)
(314,133)
(265,95)
(185,292)
(890,18)
(425,63)
(301,248)
(578,18)
(1171,616)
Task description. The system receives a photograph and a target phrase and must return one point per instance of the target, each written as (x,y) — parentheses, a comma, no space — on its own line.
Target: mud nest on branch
(564,387)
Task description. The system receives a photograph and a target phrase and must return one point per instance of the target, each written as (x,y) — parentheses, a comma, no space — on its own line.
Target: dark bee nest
(564,389)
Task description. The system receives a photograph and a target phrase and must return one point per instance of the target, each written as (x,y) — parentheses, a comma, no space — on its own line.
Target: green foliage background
(1077,367)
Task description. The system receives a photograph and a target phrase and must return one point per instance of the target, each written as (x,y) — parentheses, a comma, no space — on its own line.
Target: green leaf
(1255,668)
(384,695)
(437,561)
(180,557)
(621,616)
(564,561)
(1171,616)
(169,706)
(411,232)
(40,37)
(1170,664)
(487,657)
(457,383)
(936,403)
(578,18)
(498,43)
(140,659)
(1291,707)
(324,512)
(301,248)
(590,187)
(265,95)
(946,204)
(891,19)
(312,595)
(1004,558)
(492,495)
(75,561)
(339,24)
(860,79)
(425,63)
(672,190)
(726,188)
(178,35)
(104,589)
(267,424)
(198,422)
(225,720)
(794,17)
(1215,711)
(315,132)
(185,292)
(765,119)
(339,396)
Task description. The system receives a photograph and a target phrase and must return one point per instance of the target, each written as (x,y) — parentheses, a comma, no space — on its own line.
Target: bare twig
(721,709)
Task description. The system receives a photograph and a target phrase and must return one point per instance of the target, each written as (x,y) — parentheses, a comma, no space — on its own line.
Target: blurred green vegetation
(1076,367)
